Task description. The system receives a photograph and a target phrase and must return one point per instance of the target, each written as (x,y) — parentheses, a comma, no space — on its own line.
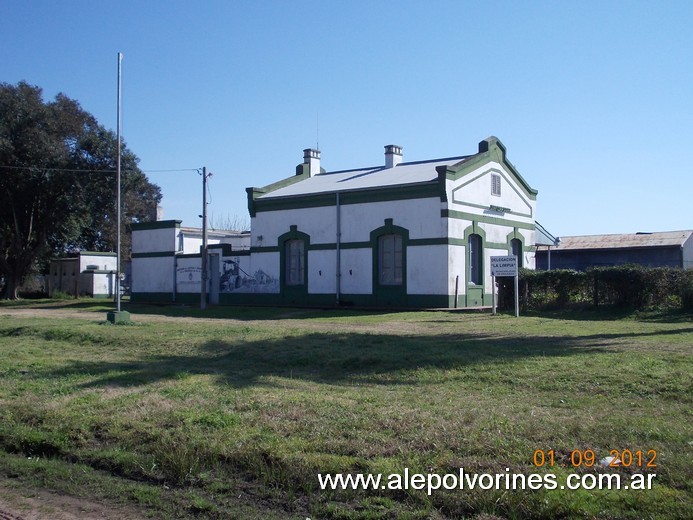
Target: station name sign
(503,266)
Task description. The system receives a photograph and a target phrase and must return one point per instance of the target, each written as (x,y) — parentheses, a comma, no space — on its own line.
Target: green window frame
(476,256)
(390,259)
(516,250)
(294,257)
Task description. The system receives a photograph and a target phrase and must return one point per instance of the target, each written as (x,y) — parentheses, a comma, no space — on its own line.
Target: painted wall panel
(357,271)
(457,265)
(189,275)
(420,216)
(154,240)
(317,222)
(427,268)
(688,253)
(152,274)
(321,272)
(472,193)
(496,234)
(103,262)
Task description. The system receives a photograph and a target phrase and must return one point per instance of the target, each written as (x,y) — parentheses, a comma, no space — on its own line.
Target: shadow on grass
(260,313)
(221,312)
(243,313)
(335,358)
(607,313)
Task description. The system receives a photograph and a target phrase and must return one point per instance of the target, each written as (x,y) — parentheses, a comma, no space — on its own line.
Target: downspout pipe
(338,252)
(175,276)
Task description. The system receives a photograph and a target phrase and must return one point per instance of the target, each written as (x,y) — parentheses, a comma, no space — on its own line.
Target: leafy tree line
(58,184)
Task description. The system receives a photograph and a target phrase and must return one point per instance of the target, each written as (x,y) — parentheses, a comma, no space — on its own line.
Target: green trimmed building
(402,234)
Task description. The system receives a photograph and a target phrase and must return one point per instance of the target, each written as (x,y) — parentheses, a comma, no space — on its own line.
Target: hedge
(629,286)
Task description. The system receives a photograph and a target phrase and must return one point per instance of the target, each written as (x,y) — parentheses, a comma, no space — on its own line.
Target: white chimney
(393,155)
(311,157)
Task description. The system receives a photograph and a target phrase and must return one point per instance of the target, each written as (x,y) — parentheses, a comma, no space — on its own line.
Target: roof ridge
(408,163)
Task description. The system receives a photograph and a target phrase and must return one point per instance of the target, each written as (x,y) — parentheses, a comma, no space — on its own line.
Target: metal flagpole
(118,316)
(117,284)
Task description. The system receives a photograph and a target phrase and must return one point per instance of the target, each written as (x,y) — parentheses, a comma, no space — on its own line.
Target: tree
(57,183)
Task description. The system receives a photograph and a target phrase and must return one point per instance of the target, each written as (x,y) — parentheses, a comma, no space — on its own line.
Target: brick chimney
(393,155)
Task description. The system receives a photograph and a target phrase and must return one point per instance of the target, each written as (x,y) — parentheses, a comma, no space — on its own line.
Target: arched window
(390,259)
(475,259)
(294,262)
(516,247)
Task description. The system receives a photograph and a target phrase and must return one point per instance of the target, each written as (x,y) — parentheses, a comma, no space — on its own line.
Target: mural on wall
(235,279)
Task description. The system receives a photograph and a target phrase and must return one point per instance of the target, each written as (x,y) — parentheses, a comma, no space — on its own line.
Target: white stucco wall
(103,262)
(357,271)
(321,272)
(152,274)
(317,222)
(99,284)
(193,243)
(457,268)
(154,240)
(420,216)
(427,268)
(688,253)
(474,189)
(188,275)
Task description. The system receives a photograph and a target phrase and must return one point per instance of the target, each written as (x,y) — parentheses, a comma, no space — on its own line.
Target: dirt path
(287,320)
(42,504)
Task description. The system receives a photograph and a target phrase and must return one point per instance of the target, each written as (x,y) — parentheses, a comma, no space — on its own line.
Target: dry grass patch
(256,403)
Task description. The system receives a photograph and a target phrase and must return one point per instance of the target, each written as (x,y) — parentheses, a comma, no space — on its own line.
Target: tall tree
(57,182)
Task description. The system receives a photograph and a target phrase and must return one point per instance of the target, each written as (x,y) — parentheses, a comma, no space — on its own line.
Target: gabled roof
(418,178)
(621,241)
(366,178)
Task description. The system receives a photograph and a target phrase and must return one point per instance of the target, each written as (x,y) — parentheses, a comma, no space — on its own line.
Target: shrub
(629,286)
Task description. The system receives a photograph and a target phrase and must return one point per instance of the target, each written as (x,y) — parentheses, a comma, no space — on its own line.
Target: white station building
(402,234)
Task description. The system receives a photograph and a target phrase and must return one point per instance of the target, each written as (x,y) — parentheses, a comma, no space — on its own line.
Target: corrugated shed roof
(620,241)
(216,233)
(375,177)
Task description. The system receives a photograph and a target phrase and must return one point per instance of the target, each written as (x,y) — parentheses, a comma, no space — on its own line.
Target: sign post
(505,266)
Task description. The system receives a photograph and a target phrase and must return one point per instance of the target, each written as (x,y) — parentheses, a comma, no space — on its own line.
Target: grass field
(232,413)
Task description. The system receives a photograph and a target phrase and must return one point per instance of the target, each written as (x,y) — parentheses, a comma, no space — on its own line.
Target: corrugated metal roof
(402,174)
(657,239)
(216,233)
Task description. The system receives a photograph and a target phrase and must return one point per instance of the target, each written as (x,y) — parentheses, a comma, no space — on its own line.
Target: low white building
(166,260)
(401,234)
(87,273)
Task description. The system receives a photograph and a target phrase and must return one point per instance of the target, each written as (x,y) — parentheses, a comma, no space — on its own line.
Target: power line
(93,170)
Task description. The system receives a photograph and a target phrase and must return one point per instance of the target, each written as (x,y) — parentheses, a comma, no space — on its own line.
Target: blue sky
(593,100)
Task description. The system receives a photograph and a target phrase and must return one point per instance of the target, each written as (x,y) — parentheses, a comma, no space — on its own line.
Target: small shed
(657,249)
(87,273)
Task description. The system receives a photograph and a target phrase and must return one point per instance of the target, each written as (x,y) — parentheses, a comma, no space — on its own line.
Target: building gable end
(490,150)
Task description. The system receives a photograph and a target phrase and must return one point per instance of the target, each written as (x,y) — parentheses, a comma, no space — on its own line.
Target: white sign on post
(505,266)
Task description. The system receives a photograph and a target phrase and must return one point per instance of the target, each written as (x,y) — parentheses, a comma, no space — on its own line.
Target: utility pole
(203,291)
